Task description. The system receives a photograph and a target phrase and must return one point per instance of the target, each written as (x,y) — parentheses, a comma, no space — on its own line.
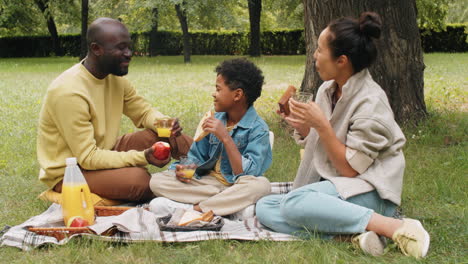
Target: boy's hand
(216,127)
(180,174)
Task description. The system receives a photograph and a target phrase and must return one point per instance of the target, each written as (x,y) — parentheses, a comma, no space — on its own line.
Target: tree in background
(255,10)
(84,28)
(44,6)
(154,30)
(181,10)
(399,66)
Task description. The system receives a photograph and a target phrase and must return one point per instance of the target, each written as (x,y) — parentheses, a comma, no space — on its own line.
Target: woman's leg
(268,213)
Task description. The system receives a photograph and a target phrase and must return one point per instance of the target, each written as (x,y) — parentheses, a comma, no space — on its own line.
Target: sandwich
(284,100)
(200,133)
(191,216)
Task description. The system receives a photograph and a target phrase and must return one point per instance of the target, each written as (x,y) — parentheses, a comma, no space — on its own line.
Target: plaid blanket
(138,225)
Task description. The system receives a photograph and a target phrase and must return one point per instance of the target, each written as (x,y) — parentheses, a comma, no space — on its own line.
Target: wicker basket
(62,232)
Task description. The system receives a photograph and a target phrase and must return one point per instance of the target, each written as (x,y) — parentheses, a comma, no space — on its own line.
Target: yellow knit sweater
(81,116)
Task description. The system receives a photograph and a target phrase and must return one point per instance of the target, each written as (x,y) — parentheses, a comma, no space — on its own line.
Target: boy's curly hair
(243,74)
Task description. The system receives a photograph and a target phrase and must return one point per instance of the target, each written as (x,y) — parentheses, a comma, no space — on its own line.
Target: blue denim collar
(247,120)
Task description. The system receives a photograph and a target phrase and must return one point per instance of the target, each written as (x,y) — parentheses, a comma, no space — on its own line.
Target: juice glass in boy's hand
(164,126)
(188,167)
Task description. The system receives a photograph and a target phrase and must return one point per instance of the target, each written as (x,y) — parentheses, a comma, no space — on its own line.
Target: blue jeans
(317,208)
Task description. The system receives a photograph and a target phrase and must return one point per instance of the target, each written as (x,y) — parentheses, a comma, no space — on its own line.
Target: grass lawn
(435,185)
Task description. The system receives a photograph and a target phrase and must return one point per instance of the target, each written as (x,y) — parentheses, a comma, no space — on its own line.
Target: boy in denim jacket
(232,157)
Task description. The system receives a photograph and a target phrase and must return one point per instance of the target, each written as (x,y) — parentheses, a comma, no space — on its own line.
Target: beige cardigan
(364,122)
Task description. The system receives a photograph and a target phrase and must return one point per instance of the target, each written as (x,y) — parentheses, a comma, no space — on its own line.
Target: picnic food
(189,216)
(284,100)
(162,150)
(77,221)
(76,196)
(200,133)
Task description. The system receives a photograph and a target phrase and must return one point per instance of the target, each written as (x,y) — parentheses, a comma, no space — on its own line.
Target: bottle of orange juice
(77,207)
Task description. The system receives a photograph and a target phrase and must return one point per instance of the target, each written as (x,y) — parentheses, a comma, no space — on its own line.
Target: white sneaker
(412,238)
(162,206)
(370,243)
(244,214)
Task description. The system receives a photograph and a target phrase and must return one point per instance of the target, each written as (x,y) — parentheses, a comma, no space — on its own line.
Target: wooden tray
(62,232)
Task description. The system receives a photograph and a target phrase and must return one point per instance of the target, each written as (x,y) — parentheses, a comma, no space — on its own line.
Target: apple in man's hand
(162,150)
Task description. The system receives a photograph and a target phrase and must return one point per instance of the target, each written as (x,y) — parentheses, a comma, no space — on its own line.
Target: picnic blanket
(138,225)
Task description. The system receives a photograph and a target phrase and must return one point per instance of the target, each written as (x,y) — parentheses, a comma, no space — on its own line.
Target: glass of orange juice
(164,126)
(189,166)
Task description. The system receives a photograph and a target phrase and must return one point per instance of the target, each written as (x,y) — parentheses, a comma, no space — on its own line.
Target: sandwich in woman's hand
(284,100)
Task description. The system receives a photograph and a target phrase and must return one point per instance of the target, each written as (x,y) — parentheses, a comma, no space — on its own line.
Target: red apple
(78,222)
(162,150)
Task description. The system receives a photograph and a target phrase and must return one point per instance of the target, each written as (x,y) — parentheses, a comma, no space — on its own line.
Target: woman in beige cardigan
(350,178)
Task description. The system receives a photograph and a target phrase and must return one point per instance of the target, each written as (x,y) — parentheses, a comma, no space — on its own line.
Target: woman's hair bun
(370,24)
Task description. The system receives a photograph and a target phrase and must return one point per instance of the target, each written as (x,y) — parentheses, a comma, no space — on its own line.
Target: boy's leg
(125,184)
(245,191)
(165,184)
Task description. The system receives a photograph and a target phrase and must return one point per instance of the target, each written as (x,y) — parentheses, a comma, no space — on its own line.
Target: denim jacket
(251,136)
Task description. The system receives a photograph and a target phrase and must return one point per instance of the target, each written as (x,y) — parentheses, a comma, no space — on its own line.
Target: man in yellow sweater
(81,118)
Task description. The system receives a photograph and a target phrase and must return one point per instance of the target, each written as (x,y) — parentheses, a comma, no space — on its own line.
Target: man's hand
(176,128)
(180,174)
(154,161)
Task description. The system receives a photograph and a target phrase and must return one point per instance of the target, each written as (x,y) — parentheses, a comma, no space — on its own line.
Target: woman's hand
(306,115)
(216,127)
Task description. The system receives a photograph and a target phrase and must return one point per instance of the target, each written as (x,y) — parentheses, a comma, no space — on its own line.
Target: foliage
(434,184)
(456,12)
(431,14)
(214,42)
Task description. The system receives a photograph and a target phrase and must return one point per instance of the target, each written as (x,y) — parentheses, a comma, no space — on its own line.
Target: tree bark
(84,28)
(182,15)
(255,10)
(399,66)
(153,32)
(44,7)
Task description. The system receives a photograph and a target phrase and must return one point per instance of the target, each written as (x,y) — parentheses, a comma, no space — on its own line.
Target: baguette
(284,100)
(200,133)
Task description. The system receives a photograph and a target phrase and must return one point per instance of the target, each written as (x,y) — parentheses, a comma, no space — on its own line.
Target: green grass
(434,188)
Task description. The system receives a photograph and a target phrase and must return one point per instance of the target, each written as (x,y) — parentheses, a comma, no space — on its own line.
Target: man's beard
(112,66)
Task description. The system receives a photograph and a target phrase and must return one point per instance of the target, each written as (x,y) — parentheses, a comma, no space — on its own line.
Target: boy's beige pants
(209,193)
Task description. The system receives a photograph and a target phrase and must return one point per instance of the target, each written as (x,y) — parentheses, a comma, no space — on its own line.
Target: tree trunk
(255,10)
(153,32)
(44,7)
(399,66)
(84,28)
(182,15)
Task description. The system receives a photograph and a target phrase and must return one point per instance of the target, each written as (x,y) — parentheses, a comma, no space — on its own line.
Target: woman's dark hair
(243,74)
(353,38)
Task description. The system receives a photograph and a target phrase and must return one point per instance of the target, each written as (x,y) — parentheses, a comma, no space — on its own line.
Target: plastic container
(76,196)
